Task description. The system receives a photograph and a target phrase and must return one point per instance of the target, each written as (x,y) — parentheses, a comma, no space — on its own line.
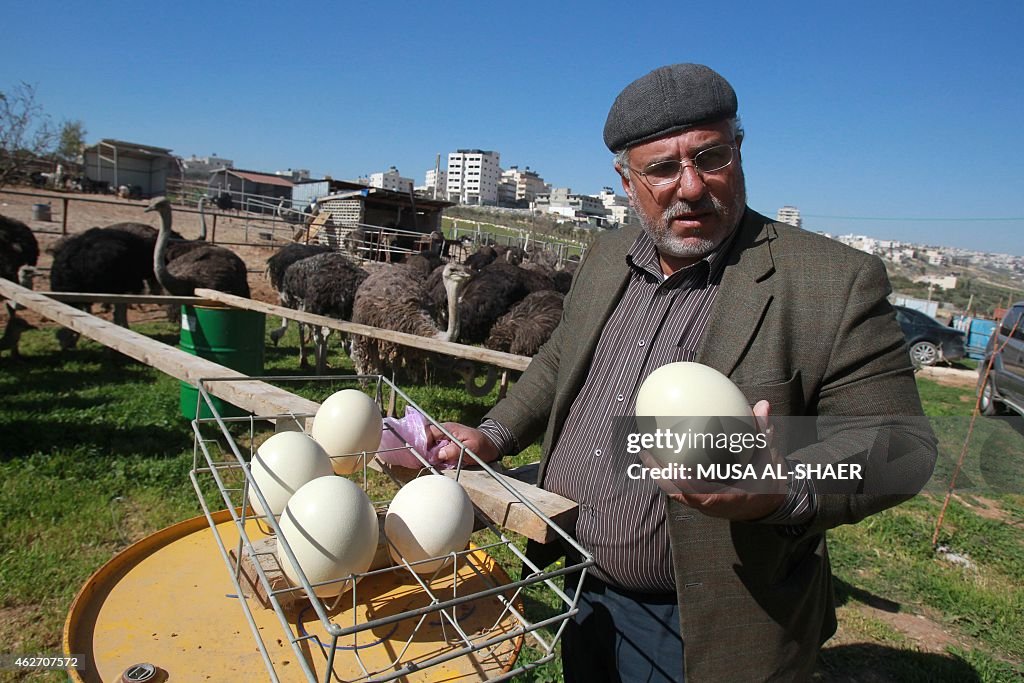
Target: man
(695,585)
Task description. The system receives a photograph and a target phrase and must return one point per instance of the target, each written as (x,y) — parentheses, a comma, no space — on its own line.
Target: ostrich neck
(452,289)
(168,281)
(202,219)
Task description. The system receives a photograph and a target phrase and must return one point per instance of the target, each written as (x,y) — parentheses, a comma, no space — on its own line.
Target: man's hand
(722,500)
(474,439)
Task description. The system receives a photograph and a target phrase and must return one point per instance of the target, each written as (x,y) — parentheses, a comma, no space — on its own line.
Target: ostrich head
(163,207)
(455,277)
(26,276)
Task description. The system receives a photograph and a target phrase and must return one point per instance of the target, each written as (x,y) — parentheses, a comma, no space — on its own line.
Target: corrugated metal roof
(129,149)
(263,178)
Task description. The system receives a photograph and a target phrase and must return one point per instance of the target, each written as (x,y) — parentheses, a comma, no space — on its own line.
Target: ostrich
(204,265)
(525,328)
(482,257)
(277,266)
(146,235)
(177,246)
(18,247)
(561,279)
(19,252)
(424,263)
(324,284)
(489,295)
(395,299)
(514,255)
(99,260)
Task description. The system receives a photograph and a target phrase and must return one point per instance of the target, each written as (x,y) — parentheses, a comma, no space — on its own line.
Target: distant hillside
(973,289)
(520,220)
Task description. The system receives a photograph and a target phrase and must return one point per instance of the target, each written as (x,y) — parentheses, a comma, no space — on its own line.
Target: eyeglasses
(710,160)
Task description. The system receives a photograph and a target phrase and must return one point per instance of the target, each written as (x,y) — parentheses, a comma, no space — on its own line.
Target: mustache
(706,204)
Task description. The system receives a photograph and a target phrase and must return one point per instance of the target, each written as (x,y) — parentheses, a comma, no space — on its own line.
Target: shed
(109,164)
(353,204)
(252,190)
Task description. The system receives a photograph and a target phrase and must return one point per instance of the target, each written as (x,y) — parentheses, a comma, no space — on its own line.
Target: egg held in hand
(690,414)
(430,517)
(347,424)
(331,527)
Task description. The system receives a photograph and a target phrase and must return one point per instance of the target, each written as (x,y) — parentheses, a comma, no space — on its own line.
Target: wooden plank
(473,353)
(266,400)
(257,397)
(98,298)
(316,224)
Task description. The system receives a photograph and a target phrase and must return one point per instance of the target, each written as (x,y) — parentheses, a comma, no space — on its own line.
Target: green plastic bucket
(230,337)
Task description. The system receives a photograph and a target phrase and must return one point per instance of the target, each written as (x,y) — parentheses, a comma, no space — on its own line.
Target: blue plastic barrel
(978,334)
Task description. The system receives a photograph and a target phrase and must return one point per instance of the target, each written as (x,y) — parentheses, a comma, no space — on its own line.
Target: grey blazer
(803,322)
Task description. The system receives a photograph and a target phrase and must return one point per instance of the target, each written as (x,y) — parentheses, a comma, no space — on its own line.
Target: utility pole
(437,172)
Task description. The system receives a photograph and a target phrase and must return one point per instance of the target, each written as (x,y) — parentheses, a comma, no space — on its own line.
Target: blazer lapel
(743,298)
(607,288)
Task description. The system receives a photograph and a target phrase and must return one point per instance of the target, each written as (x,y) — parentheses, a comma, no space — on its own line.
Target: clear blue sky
(881,118)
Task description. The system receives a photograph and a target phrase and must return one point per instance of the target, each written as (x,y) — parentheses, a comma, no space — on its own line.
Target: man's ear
(627,186)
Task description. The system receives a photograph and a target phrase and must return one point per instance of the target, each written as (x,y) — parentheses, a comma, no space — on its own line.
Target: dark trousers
(621,636)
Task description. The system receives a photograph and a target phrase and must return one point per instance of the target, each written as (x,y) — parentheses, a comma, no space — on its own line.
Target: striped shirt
(659,320)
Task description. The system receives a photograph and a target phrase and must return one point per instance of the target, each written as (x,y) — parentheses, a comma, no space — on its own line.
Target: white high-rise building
(436,183)
(789,214)
(391,180)
(474,176)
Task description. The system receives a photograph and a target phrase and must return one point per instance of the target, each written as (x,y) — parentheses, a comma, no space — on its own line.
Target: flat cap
(666,100)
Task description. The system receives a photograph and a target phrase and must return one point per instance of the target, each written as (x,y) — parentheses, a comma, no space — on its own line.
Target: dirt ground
(244,234)
(951,376)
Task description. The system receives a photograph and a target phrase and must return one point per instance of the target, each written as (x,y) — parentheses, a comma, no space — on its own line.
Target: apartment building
(620,213)
(580,208)
(519,187)
(392,180)
(203,166)
(791,215)
(436,183)
(473,176)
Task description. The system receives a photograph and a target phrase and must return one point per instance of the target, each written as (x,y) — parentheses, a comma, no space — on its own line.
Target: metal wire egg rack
(465,621)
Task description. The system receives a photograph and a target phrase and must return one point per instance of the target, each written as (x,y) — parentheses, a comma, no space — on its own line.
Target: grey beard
(671,244)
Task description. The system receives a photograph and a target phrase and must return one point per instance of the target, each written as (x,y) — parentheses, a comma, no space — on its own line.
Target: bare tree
(26,132)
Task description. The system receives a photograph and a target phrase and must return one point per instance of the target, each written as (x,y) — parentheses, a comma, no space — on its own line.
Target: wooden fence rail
(498,358)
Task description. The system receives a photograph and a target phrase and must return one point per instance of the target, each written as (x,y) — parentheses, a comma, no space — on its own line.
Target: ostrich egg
(282,465)
(683,403)
(430,516)
(348,423)
(331,527)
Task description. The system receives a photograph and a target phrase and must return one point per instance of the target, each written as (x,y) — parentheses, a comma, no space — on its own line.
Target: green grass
(94,455)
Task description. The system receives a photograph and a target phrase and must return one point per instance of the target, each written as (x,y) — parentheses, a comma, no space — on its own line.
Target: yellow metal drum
(168,600)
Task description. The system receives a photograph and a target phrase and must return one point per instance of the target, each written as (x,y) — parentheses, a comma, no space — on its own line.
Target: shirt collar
(643,256)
